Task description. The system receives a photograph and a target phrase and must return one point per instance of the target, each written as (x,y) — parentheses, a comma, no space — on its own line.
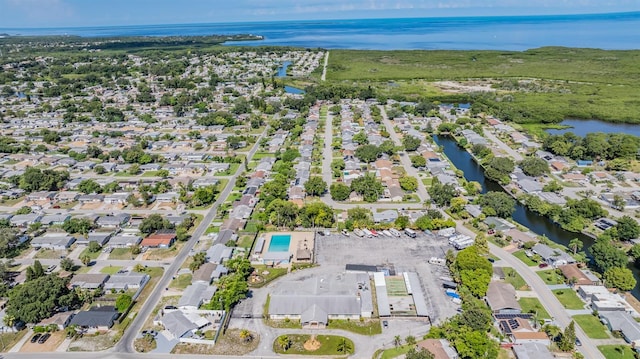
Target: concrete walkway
(16,348)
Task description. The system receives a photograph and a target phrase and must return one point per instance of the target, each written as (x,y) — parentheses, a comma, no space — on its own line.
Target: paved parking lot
(403,253)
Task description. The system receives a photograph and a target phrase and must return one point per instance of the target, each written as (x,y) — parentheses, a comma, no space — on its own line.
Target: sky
(79,13)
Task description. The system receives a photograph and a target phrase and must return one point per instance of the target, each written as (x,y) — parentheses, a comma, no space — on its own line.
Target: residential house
(553,257)
(60,320)
(501,298)
(388,216)
(439,348)
(196,295)
(53,241)
(532,351)
(579,277)
(623,323)
(88,280)
(113,221)
(160,239)
(126,281)
(96,319)
(54,219)
(123,241)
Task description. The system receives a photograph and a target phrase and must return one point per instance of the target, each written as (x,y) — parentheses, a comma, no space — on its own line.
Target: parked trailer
(387,233)
(395,232)
(410,232)
(452,293)
(449,284)
(374,232)
(358,232)
(447,232)
(438,261)
(463,244)
(367,233)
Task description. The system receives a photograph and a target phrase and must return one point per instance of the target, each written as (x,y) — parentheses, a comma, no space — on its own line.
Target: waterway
(536,223)
(582,127)
(282,72)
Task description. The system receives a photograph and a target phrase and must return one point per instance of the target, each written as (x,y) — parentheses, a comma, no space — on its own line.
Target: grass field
(396,286)
(591,326)
(365,327)
(523,257)
(395,352)
(110,270)
(532,305)
(328,345)
(558,82)
(568,298)
(551,277)
(512,277)
(616,351)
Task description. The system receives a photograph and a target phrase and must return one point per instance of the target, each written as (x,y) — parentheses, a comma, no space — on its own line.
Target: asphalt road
(503,146)
(548,300)
(125,345)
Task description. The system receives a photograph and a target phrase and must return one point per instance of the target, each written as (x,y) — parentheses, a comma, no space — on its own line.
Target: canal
(536,223)
(282,72)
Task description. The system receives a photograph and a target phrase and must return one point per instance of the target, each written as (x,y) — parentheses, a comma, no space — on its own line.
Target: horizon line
(326,20)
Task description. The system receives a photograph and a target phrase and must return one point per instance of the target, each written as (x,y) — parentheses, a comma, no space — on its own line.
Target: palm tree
(397,340)
(245,335)
(411,340)
(576,245)
(284,342)
(344,346)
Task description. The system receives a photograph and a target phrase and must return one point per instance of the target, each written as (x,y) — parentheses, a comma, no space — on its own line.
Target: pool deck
(301,244)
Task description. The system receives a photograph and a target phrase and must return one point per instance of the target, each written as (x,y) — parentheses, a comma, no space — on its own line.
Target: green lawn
(512,277)
(393,352)
(523,257)
(120,253)
(569,298)
(532,305)
(551,277)
(245,241)
(591,326)
(365,327)
(262,279)
(110,270)
(150,174)
(92,255)
(181,282)
(328,345)
(616,351)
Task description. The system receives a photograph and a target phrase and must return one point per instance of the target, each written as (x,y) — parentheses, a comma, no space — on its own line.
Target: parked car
(578,342)
(385,324)
(35,338)
(543,265)
(44,338)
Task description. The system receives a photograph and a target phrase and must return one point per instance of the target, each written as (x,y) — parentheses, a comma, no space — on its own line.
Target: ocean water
(606,31)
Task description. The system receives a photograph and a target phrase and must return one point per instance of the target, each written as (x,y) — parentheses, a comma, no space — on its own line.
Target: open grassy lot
(616,351)
(512,277)
(523,257)
(393,352)
(551,277)
(120,253)
(326,345)
(569,298)
(181,282)
(559,82)
(110,270)
(532,305)
(365,327)
(591,326)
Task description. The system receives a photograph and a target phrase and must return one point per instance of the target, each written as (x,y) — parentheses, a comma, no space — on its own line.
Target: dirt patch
(49,346)
(144,345)
(459,87)
(93,343)
(231,343)
(91,205)
(312,344)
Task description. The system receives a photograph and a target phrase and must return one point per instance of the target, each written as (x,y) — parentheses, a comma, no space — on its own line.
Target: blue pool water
(280,243)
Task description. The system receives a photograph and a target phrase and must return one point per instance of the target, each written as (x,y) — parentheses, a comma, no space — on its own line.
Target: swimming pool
(280,243)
